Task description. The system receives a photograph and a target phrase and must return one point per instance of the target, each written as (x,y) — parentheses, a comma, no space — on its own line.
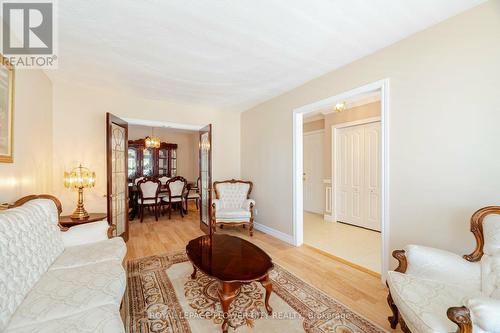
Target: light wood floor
(359,291)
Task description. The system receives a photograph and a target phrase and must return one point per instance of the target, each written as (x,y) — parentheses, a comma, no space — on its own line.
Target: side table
(67,221)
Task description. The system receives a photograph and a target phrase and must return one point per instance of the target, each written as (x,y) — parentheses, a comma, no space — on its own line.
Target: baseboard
(275,233)
(328,218)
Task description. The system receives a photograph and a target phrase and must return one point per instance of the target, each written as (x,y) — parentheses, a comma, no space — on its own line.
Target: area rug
(161,297)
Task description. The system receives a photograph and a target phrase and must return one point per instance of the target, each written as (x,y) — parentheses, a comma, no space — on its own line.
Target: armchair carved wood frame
(221,224)
(460,315)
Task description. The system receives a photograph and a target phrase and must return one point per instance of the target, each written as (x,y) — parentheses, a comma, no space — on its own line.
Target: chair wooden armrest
(461,317)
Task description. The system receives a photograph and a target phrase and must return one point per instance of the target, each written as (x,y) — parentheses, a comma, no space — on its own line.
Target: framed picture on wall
(6,110)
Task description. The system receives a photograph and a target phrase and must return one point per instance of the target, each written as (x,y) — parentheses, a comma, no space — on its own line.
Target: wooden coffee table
(232,261)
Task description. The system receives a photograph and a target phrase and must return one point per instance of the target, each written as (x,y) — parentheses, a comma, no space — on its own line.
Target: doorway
(178,157)
(352,225)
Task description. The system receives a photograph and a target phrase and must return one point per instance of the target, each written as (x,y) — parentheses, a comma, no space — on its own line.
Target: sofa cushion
(234,214)
(65,292)
(423,303)
(102,319)
(30,241)
(80,255)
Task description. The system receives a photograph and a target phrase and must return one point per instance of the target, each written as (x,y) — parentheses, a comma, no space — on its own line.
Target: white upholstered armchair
(434,290)
(232,205)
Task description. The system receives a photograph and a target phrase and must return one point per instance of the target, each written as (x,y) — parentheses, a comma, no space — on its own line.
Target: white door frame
(336,127)
(298,119)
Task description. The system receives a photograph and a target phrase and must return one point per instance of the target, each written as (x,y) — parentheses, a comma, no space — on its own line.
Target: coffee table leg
(193,276)
(266,283)
(227,293)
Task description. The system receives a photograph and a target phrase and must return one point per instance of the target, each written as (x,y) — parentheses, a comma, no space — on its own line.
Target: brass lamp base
(80,213)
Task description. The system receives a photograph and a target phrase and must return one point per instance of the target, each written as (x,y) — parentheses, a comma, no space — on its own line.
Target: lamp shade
(79,177)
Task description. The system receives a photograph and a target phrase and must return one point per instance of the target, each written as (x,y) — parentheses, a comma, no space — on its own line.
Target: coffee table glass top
(228,258)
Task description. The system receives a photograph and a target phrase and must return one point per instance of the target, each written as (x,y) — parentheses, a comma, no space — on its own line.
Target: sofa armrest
(248,204)
(85,233)
(443,266)
(484,312)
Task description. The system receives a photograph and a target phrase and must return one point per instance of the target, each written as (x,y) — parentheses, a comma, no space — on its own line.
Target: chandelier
(152,141)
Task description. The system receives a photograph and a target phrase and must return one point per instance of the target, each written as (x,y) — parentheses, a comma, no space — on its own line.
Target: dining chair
(176,188)
(137,180)
(192,193)
(163,180)
(149,189)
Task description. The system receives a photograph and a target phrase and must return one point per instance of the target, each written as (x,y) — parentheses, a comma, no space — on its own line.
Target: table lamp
(79,178)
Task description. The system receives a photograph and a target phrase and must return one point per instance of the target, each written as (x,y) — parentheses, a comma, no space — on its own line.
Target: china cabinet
(151,162)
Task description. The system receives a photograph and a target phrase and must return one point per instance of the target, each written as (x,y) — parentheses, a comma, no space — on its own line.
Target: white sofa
(232,205)
(437,291)
(54,281)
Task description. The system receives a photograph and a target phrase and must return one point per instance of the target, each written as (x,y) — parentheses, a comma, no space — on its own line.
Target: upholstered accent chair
(434,290)
(232,205)
(176,188)
(149,190)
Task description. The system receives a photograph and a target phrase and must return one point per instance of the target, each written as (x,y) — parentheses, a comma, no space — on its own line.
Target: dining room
(163,172)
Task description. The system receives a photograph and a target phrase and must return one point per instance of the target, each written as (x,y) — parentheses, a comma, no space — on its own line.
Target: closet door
(358,175)
(349,175)
(372,177)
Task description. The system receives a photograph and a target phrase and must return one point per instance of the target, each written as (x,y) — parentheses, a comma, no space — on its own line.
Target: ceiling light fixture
(339,107)
(152,141)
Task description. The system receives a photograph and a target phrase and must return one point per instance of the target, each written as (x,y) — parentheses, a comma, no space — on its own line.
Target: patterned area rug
(161,297)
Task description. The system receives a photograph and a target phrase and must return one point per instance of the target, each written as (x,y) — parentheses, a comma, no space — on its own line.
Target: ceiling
(228,54)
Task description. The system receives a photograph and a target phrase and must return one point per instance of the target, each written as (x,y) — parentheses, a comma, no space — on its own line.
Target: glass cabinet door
(173,162)
(147,162)
(162,162)
(132,163)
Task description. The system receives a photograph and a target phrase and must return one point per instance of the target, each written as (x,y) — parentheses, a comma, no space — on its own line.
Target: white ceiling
(228,54)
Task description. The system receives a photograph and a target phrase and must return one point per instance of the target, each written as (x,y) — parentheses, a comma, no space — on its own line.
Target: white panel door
(372,176)
(349,175)
(357,175)
(314,200)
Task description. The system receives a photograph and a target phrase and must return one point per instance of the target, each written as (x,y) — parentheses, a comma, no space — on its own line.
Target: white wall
(187,147)
(444,131)
(31,172)
(80,134)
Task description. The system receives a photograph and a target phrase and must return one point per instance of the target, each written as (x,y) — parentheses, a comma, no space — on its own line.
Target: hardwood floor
(359,291)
